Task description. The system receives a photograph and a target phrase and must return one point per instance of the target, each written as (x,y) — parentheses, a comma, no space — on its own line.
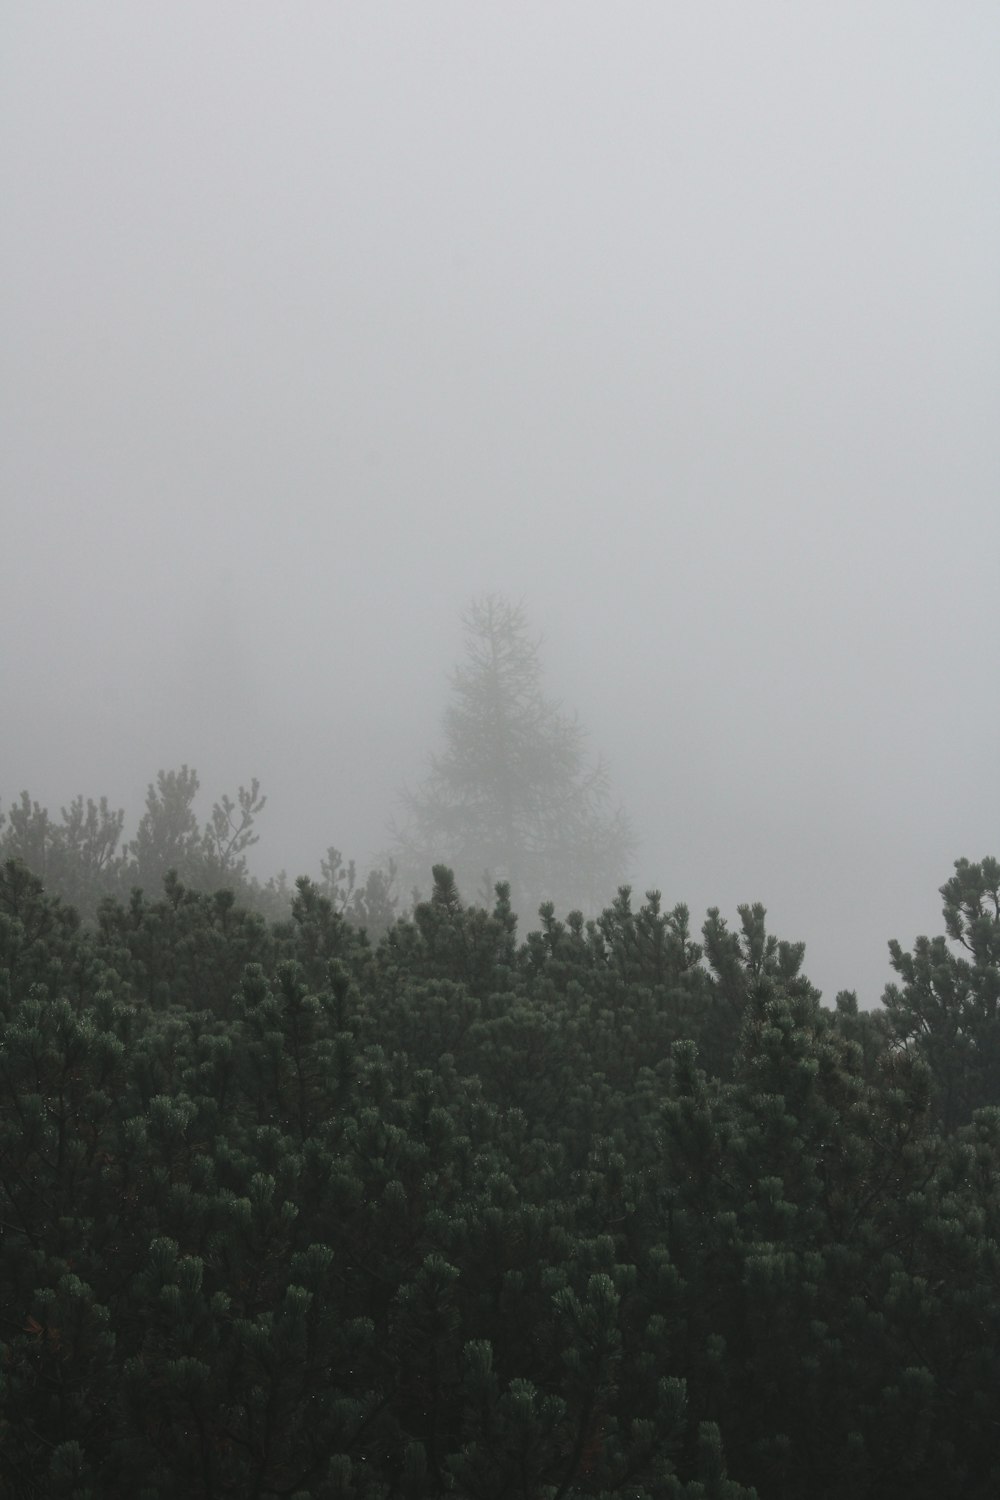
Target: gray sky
(680,321)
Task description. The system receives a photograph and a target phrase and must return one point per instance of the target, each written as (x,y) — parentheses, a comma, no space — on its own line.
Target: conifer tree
(947,1008)
(78,859)
(611,1214)
(512,796)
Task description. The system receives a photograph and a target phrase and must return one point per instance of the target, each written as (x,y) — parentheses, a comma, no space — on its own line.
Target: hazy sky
(680,321)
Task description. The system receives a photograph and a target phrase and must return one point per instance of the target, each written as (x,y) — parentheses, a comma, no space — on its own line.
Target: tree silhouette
(512,795)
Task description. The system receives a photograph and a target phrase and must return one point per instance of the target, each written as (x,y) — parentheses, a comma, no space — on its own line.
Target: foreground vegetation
(607,1212)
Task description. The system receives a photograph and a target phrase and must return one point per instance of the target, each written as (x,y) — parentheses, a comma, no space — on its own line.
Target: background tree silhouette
(512,795)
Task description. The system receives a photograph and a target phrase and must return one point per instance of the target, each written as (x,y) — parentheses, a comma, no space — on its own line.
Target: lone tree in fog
(511,796)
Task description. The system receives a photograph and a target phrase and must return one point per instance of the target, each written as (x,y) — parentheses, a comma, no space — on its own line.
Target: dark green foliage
(947,1008)
(607,1213)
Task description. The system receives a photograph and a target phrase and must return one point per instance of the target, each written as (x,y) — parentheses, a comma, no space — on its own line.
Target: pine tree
(78,859)
(947,1008)
(512,797)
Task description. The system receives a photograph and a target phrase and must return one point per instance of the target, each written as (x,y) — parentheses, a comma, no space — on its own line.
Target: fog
(677,321)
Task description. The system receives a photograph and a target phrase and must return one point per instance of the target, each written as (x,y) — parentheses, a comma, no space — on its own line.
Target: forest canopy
(307,1191)
(611,1209)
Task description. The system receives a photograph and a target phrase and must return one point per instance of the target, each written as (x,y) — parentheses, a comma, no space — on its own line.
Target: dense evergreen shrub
(603,1213)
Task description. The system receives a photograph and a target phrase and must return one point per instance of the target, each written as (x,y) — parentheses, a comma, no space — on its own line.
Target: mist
(678,322)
